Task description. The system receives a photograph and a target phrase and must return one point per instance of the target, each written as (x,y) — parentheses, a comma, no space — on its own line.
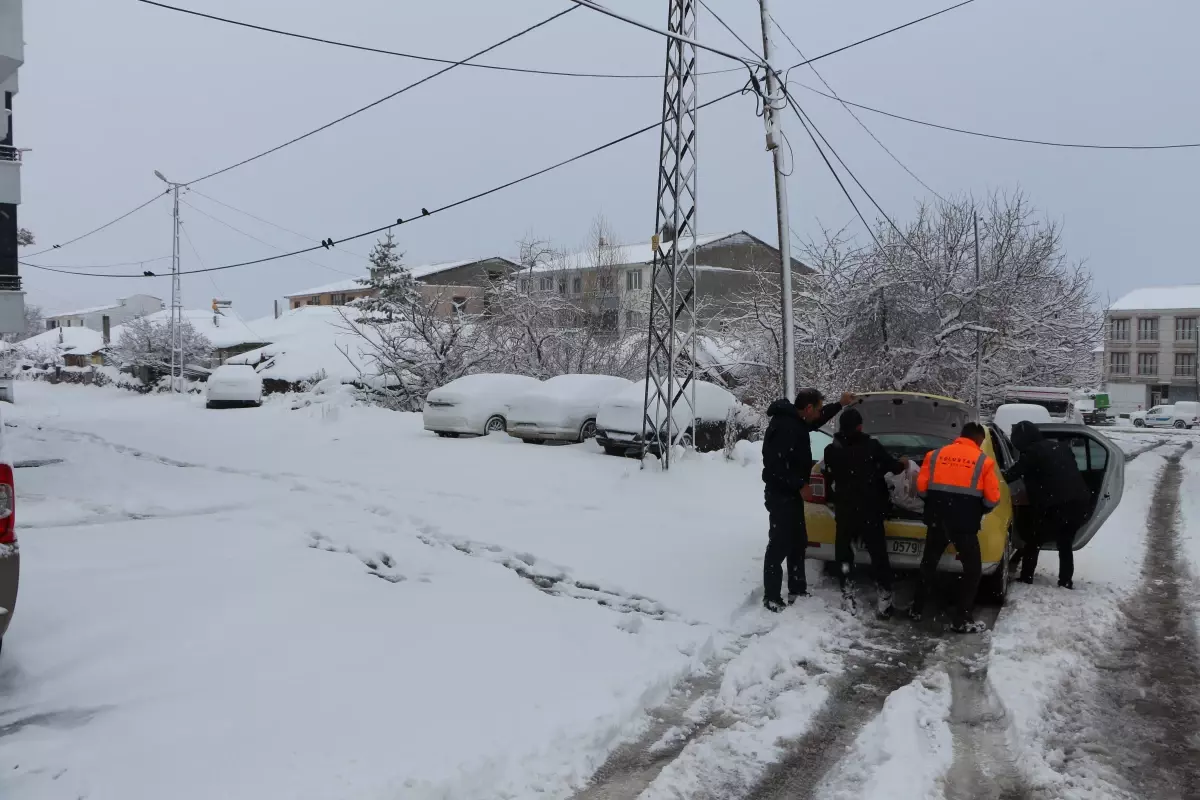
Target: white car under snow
(475,405)
(562,409)
(233,385)
(619,423)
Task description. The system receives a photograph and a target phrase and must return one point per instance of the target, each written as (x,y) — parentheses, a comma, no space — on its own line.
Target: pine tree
(395,288)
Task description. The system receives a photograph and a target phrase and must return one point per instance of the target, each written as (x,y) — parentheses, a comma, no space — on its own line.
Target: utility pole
(978,325)
(176,326)
(772,106)
(670,397)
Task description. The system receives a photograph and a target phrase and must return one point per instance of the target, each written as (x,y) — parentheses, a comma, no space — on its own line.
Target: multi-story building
(457,286)
(612,282)
(104,318)
(1151,347)
(12,55)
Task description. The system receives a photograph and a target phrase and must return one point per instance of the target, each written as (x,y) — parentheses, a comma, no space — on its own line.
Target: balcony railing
(10,283)
(10,153)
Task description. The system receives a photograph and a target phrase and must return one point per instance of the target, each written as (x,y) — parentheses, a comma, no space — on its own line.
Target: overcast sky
(112,91)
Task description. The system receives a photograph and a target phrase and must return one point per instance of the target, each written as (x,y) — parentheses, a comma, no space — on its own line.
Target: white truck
(1086,406)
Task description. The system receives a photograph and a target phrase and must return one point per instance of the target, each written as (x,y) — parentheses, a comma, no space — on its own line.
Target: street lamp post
(176,325)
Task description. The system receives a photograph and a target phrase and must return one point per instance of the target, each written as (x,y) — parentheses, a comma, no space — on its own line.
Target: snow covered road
(327,602)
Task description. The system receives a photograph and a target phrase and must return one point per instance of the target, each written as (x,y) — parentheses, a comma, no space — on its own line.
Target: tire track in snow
(855,699)
(1148,698)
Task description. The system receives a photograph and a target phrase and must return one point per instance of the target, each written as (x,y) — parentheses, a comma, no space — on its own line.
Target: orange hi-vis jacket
(960,484)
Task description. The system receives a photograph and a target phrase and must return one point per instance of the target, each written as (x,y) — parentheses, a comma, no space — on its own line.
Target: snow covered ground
(315,599)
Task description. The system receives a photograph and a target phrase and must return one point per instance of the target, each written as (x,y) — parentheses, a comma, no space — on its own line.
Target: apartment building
(12,56)
(1151,347)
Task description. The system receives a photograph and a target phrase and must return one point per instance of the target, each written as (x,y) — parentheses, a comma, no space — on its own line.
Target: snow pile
(309,344)
(61,341)
(904,752)
(224,330)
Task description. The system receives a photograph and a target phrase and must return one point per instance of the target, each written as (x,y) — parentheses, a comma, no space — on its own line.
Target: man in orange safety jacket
(960,485)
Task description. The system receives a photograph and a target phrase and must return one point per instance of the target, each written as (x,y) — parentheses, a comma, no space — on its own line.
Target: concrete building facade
(1151,347)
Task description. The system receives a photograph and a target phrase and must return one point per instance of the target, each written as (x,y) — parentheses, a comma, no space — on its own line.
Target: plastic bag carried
(903,489)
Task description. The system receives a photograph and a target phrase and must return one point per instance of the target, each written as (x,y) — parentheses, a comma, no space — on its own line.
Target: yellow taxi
(910,424)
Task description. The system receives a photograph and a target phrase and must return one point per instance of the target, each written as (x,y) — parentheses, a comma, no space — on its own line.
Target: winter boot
(794,596)
(1066,584)
(1026,579)
(883,604)
(774,606)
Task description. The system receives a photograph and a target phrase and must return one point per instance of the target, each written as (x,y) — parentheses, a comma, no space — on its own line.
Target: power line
(424,212)
(220,221)
(384,99)
(242,211)
(413,56)
(108,224)
(850,111)
(732,32)
(1044,143)
(135,262)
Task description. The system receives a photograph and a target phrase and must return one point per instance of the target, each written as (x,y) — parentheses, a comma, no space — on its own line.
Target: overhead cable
(383,99)
(998,137)
(850,111)
(425,212)
(108,224)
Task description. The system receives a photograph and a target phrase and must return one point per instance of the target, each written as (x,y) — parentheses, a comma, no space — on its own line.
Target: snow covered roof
(638,253)
(418,271)
(230,332)
(307,343)
(80,312)
(1158,298)
(77,341)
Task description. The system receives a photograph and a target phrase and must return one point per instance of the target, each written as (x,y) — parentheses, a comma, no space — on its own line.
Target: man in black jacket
(787,467)
(1059,498)
(854,467)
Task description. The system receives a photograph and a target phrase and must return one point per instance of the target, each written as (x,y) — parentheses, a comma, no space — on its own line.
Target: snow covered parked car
(563,409)
(234,385)
(1180,415)
(619,422)
(475,405)
(10,554)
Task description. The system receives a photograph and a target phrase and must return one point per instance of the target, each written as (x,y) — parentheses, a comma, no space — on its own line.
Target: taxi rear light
(8,501)
(814,490)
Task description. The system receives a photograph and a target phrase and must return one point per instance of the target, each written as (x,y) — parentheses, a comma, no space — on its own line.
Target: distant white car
(1010,414)
(619,422)
(563,408)
(475,405)
(1181,415)
(232,385)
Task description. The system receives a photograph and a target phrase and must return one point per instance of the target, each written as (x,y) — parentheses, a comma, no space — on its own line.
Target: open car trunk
(911,425)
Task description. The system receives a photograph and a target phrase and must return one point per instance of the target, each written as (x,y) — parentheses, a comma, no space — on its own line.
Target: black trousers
(937,538)
(1057,524)
(867,528)
(787,541)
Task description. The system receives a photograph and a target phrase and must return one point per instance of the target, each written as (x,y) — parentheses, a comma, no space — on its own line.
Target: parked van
(1181,415)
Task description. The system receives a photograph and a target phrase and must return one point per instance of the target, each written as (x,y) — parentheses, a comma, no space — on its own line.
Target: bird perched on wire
(425,212)
(147,274)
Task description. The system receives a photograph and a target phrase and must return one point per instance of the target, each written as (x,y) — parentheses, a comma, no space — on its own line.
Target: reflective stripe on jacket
(959,483)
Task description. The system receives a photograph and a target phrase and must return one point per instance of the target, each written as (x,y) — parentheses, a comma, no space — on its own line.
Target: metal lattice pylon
(670,402)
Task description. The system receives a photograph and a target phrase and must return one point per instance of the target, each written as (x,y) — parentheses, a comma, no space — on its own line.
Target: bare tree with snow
(147,343)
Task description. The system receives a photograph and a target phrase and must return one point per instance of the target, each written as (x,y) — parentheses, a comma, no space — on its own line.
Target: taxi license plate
(906,547)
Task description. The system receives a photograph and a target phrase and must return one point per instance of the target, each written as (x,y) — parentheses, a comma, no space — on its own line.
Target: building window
(1147,363)
(1185,365)
(634,319)
(314,301)
(296,304)
(577,285)
(1118,330)
(1185,329)
(1118,363)
(605,283)
(633,280)
(562,286)
(459,304)
(609,319)
(1148,329)
(524,285)
(338,299)
(546,284)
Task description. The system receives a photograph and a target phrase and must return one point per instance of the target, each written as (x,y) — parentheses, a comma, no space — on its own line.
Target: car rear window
(913,445)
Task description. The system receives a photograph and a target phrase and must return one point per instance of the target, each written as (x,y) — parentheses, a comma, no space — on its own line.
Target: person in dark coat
(854,469)
(787,467)
(1059,498)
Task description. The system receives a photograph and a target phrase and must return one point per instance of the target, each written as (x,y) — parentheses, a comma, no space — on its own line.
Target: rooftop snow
(78,341)
(230,332)
(418,271)
(638,253)
(1157,298)
(79,312)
